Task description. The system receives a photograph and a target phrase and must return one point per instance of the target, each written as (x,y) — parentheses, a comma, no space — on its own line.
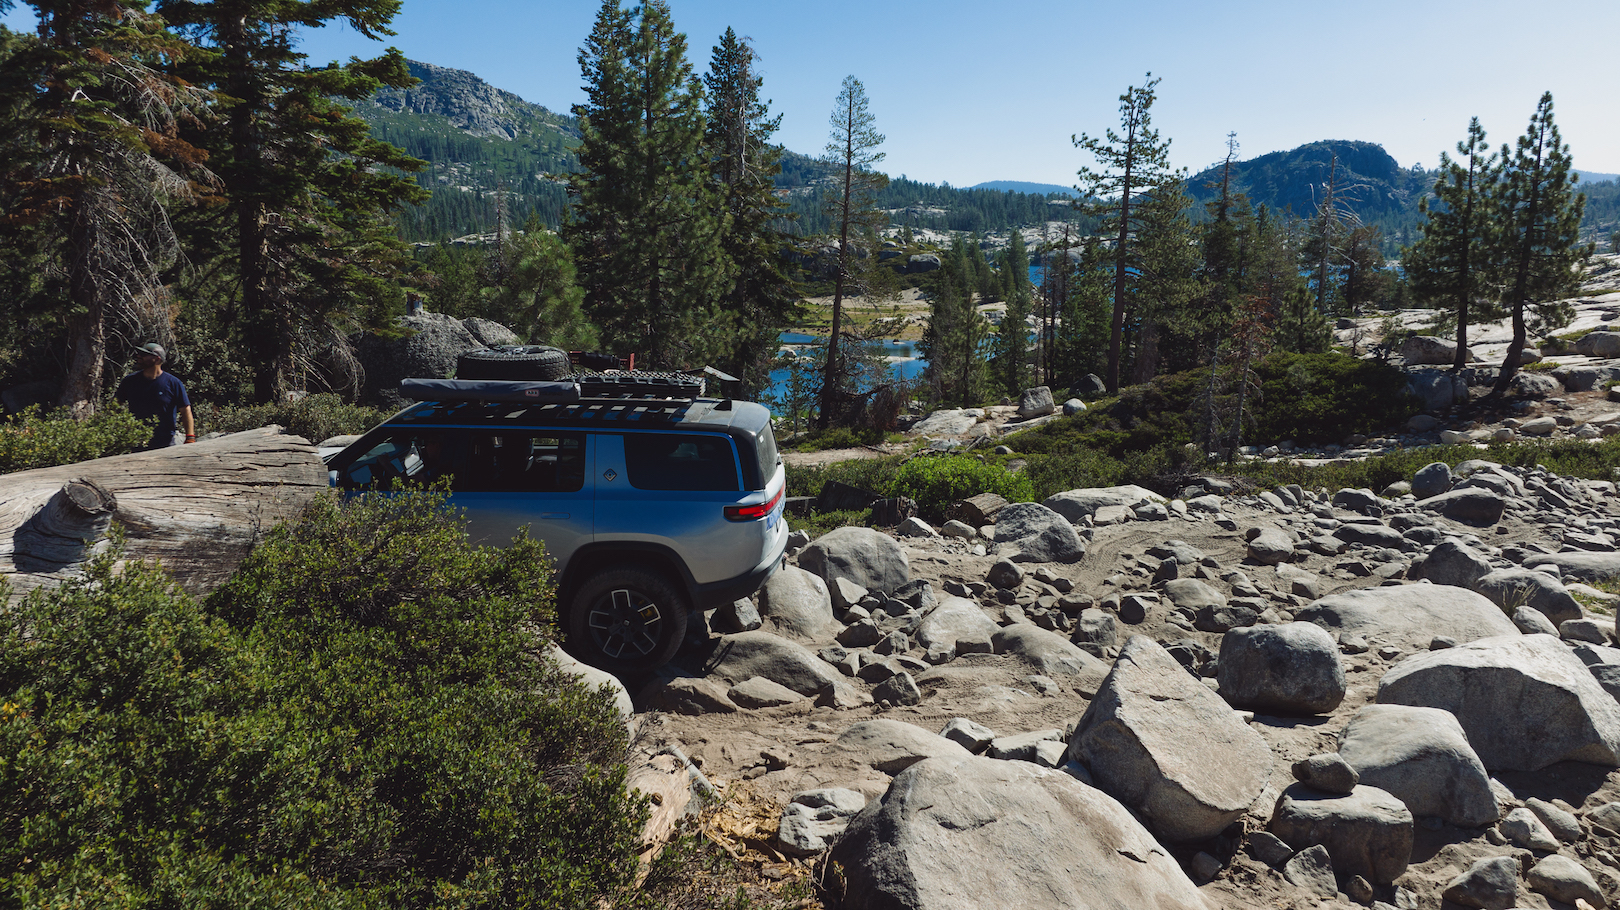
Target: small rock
(1312,869)
(738,616)
(1327,772)
(967,734)
(916,527)
(1491,883)
(899,689)
(1563,824)
(1205,867)
(1563,879)
(759,692)
(1523,829)
(1268,848)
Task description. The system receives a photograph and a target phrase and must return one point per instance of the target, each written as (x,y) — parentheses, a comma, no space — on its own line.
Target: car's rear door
(534,478)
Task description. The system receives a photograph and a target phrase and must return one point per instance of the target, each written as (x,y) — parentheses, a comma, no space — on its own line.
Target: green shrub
(937,481)
(34,440)
(360,718)
(314,417)
(1324,397)
(1540,366)
(874,474)
(1084,468)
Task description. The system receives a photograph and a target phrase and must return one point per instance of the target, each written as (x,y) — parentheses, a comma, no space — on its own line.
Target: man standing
(150,394)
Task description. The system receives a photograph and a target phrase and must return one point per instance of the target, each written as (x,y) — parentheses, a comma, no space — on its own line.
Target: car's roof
(712,414)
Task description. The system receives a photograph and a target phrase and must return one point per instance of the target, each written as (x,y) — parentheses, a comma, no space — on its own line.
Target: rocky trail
(1121,697)
(1294,698)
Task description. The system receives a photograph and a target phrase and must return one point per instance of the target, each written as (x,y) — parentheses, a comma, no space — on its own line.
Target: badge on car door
(609,475)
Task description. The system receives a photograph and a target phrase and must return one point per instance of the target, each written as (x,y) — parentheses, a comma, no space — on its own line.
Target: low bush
(937,481)
(314,417)
(873,474)
(361,717)
(35,440)
(1313,398)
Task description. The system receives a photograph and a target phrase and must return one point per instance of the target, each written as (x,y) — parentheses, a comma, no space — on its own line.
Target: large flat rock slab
(976,832)
(1161,742)
(1410,616)
(1525,701)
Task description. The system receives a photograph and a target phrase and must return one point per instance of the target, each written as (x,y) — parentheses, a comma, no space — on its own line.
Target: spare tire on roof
(530,362)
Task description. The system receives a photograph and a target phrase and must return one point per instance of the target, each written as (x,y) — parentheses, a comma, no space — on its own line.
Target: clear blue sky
(974,91)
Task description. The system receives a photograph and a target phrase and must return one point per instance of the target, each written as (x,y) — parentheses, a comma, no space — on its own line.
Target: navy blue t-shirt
(149,398)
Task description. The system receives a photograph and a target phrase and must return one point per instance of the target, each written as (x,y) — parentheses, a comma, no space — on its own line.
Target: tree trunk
(86,328)
(198,509)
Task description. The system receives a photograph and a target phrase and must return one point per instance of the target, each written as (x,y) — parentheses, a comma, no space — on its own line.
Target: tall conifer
(1130,162)
(97,122)
(760,298)
(852,206)
(1539,247)
(310,193)
(1450,263)
(645,227)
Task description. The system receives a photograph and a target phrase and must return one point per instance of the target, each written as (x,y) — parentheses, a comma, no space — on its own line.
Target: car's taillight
(749,513)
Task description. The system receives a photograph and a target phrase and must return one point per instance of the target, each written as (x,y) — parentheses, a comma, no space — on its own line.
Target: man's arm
(187,423)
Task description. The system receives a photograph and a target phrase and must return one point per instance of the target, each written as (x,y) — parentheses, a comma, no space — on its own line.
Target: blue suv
(653,501)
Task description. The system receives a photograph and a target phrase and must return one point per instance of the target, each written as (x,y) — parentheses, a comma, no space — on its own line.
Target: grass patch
(818,523)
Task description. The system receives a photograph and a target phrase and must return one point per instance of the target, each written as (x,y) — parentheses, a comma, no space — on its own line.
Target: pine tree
(1450,263)
(311,195)
(1165,288)
(1539,246)
(1362,275)
(1274,278)
(1012,339)
(852,206)
(536,294)
(1131,163)
(1082,294)
(953,341)
(645,226)
(1015,267)
(1319,254)
(103,166)
(761,297)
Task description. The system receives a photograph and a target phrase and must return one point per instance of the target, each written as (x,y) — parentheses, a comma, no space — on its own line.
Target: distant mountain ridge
(471,105)
(492,155)
(1022,186)
(1366,180)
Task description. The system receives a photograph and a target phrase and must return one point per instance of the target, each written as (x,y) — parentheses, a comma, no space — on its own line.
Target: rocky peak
(470,104)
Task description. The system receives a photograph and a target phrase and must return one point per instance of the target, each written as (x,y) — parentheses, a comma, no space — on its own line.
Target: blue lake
(909,368)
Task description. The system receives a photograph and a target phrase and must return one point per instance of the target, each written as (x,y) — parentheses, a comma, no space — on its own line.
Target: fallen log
(197,509)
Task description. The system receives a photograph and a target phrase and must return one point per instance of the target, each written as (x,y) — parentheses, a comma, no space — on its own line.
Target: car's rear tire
(627,619)
(523,363)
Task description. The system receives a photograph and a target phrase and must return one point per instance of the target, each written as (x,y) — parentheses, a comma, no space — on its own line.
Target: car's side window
(680,461)
(403,455)
(530,462)
(534,462)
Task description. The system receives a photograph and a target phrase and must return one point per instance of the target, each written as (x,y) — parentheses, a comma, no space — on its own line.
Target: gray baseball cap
(153,348)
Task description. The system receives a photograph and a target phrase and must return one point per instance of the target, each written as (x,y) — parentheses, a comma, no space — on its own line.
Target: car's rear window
(765,451)
(680,461)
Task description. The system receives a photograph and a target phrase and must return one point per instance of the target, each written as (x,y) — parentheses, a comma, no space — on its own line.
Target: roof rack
(606,387)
